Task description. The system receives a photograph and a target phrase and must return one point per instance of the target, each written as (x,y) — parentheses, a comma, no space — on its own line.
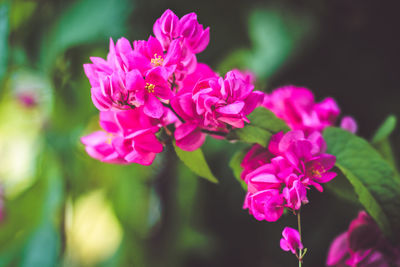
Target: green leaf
(342,188)
(371,176)
(250,134)
(267,120)
(4,30)
(85,21)
(235,162)
(386,128)
(263,124)
(196,162)
(43,247)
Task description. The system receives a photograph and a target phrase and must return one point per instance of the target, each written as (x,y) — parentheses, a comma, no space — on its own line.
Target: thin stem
(214,132)
(176,114)
(299,228)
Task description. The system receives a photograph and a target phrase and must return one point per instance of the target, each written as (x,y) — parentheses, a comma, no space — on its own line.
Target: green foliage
(85,21)
(371,176)
(386,128)
(234,163)
(381,141)
(263,124)
(196,162)
(4,30)
(274,38)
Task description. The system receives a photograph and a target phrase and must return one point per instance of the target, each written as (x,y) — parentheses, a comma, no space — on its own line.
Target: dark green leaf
(386,128)
(371,176)
(196,162)
(236,168)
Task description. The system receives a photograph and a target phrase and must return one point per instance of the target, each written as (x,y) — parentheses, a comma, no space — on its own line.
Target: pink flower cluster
(279,177)
(157,83)
(363,245)
(297,107)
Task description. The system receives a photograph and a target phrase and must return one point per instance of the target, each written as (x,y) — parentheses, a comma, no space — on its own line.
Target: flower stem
(176,114)
(299,228)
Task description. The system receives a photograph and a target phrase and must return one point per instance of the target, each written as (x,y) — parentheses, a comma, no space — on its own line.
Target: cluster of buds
(150,85)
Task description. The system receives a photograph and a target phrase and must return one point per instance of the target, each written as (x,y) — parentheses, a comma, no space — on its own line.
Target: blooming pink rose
(291,240)
(129,137)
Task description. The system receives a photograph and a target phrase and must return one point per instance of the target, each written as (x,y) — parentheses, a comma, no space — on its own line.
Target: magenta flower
(297,107)
(291,240)
(169,27)
(129,137)
(362,246)
(213,104)
(225,101)
(348,123)
(290,166)
(265,205)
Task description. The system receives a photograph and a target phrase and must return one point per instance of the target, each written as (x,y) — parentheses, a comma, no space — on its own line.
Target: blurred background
(62,208)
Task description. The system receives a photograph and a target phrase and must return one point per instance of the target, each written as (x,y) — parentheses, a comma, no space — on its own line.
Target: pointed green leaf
(371,176)
(386,128)
(196,162)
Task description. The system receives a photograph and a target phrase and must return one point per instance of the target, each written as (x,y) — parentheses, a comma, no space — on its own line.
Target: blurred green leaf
(85,21)
(196,162)
(275,35)
(4,30)
(21,11)
(342,188)
(43,247)
(234,163)
(371,176)
(386,128)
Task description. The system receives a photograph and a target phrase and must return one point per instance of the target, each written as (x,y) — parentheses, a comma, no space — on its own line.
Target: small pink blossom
(291,240)
(169,27)
(348,123)
(265,205)
(129,137)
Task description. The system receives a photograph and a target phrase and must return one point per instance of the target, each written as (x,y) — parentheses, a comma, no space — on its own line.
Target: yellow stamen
(149,87)
(109,138)
(157,61)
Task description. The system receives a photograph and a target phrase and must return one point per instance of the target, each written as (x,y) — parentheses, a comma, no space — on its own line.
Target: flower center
(157,61)
(109,138)
(149,87)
